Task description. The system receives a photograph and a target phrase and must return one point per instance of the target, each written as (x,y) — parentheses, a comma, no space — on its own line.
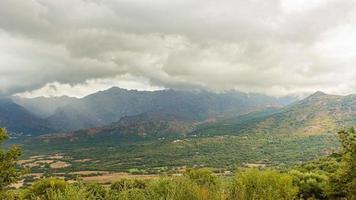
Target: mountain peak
(318,94)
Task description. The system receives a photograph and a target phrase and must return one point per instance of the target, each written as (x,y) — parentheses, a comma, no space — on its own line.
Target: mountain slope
(43,107)
(109,106)
(274,136)
(317,114)
(20,121)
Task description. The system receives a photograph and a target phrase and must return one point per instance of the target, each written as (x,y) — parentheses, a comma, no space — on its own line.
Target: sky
(275,47)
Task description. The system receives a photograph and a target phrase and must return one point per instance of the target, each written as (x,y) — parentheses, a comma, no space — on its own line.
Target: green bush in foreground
(267,185)
(173,189)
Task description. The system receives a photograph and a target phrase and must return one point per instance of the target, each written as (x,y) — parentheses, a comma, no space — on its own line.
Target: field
(151,156)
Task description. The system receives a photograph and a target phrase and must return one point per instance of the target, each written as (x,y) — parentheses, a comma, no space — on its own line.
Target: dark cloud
(276,47)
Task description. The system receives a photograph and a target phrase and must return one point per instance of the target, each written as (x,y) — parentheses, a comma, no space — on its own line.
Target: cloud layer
(276,47)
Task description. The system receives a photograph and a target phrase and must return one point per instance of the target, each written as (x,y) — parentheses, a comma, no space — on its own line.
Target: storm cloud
(276,47)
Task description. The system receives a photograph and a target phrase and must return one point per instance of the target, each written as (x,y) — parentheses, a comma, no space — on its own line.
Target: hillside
(315,115)
(19,121)
(43,107)
(272,136)
(105,107)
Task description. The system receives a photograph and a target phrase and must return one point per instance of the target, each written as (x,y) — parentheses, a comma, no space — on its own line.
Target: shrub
(209,185)
(126,184)
(253,184)
(40,188)
(132,194)
(177,188)
(70,192)
(311,185)
(96,190)
(10,195)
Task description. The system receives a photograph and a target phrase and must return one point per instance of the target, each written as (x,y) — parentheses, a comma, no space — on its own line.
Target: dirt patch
(59,165)
(37,157)
(89,172)
(56,156)
(45,161)
(83,160)
(112,177)
(22,162)
(18,184)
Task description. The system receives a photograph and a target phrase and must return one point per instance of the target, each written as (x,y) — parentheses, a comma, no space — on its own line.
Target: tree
(345,178)
(311,185)
(8,158)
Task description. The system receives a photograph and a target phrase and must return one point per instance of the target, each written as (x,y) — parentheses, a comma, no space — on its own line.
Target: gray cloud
(274,47)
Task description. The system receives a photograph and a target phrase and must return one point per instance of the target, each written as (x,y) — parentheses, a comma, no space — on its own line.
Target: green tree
(344,181)
(310,184)
(8,158)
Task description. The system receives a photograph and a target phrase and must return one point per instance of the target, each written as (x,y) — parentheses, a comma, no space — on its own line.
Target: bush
(96,190)
(40,188)
(70,192)
(267,185)
(173,189)
(209,185)
(132,194)
(10,195)
(311,185)
(126,184)
(203,177)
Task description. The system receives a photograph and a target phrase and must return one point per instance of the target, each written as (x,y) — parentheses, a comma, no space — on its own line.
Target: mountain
(43,107)
(315,115)
(105,107)
(144,126)
(20,121)
(273,136)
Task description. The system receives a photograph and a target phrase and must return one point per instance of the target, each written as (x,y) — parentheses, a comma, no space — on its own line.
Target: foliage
(173,189)
(209,185)
(332,177)
(8,158)
(262,185)
(126,184)
(45,187)
(202,177)
(311,185)
(344,181)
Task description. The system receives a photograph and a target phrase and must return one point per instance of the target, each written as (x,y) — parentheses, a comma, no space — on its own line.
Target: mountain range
(315,115)
(19,120)
(266,135)
(63,114)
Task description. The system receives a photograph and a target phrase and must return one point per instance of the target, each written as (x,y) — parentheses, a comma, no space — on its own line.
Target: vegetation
(151,155)
(8,173)
(331,177)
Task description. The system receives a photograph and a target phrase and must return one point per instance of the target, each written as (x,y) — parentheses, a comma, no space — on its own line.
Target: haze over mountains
(105,107)
(17,119)
(317,114)
(163,112)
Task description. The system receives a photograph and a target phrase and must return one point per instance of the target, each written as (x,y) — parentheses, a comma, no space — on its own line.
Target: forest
(330,177)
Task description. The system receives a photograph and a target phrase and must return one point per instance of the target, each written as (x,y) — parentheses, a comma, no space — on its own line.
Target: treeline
(333,177)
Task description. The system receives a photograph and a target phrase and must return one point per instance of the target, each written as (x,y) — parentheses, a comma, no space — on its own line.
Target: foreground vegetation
(332,177)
